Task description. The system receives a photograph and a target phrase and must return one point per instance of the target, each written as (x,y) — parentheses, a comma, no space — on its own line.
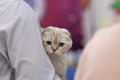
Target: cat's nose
(54,48)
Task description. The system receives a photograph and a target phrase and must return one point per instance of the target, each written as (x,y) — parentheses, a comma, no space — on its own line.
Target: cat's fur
(57,41)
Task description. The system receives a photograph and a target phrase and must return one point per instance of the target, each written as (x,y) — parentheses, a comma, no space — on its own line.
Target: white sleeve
(39,6)
(24,46)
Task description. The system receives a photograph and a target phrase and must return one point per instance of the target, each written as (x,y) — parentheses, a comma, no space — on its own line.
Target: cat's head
(56,40)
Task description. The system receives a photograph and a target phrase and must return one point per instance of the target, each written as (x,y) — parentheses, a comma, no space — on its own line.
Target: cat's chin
(52,53)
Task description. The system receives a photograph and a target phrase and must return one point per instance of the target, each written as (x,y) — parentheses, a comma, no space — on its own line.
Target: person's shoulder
(108,32)
(103,39)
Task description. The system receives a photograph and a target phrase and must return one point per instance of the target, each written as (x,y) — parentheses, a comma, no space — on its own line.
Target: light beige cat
(57,42)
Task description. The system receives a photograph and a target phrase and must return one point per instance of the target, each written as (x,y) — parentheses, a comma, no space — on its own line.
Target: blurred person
(22,56)
(101,56)
(96,15)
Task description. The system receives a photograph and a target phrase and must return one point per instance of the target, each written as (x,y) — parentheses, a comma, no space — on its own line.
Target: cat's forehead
(55,36)
(54,33)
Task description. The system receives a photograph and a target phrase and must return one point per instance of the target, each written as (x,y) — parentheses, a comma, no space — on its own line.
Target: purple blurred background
(65,14)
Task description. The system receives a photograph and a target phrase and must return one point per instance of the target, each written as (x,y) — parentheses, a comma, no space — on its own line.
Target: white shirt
(20,44)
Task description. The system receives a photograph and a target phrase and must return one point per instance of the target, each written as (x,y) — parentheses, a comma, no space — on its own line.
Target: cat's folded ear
(43,30)
(49,28)
(67,33)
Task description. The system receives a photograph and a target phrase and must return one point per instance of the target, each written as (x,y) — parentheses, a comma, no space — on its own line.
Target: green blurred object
(116,5)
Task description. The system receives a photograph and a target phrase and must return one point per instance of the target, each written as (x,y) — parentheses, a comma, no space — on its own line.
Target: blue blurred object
(70,73)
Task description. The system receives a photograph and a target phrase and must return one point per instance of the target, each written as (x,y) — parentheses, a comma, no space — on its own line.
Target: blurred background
(81,17)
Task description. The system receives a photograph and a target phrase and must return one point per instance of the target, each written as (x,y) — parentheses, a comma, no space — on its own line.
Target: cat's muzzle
(54,48)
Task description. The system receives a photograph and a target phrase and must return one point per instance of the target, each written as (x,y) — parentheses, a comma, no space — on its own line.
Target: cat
(57,42)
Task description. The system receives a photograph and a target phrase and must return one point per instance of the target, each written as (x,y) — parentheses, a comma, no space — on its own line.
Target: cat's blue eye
(49,42)
(61,44)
